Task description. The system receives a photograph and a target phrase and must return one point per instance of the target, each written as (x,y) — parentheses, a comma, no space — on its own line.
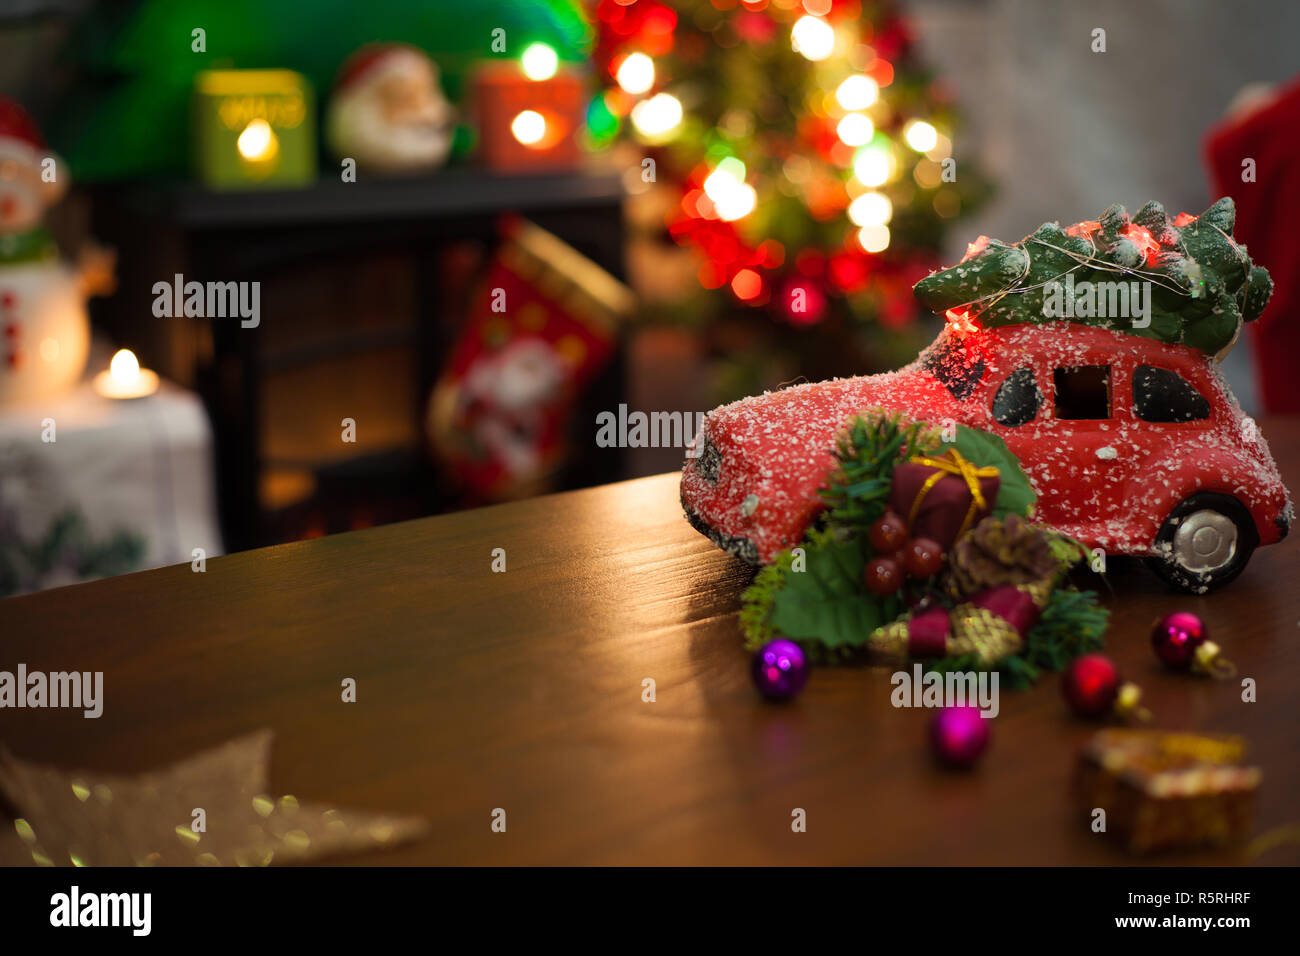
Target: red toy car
(1132,445)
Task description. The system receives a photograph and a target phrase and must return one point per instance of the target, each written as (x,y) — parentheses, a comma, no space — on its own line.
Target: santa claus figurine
(388,112)
(44,331)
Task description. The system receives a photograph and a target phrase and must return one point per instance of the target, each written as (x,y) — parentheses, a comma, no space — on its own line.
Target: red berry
(883,576)
(923,558)
(888,534)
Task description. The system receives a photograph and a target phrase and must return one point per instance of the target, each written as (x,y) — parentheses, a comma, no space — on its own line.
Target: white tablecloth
(125,485)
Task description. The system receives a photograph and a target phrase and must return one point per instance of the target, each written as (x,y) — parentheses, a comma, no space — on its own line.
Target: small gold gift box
(1162,790)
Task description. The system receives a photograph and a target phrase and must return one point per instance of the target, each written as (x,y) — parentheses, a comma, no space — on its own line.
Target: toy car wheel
(1204,543)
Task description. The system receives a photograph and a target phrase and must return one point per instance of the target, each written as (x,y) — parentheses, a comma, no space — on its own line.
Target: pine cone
(999,551)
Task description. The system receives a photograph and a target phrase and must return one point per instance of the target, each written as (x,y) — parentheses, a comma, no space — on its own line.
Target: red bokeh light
(747,284)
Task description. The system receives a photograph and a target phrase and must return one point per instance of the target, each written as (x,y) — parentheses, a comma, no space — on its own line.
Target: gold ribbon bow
(953,463)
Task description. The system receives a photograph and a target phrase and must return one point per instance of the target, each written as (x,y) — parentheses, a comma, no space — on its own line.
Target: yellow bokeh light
(874,238)
(857,92)
(871,209)
(539,61)
(873,166)
(855,130)
(529,127)
(812,37)
(658,115)
(921,136)
(737,203)
(636,74)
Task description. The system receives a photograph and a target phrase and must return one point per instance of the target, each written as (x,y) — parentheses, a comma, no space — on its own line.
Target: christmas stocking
(543,326)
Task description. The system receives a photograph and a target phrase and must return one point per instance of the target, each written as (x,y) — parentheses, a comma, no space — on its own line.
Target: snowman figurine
(44,330)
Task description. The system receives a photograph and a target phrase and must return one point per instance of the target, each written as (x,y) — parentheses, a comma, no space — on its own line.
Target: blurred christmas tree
(810,158)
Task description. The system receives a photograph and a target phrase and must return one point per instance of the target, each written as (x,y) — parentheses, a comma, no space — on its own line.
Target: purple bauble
(1176,637)
(959,735)
(780,670)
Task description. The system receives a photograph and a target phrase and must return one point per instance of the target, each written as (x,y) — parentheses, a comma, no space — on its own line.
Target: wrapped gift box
(937,503)
(1162,790)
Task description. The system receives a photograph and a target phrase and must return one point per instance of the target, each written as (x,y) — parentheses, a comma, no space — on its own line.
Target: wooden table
(523,690)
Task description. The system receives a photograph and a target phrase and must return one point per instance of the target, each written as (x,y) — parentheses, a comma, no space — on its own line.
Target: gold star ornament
(213,809)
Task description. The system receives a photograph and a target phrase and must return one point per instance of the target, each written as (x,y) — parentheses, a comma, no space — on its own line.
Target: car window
(1160,395)
(956,368)
(1082,392)
(1017,399)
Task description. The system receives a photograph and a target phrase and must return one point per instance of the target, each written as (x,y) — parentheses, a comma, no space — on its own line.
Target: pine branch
(867,452)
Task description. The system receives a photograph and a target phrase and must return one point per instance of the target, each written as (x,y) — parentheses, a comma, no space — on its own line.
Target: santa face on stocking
(388,112)
(44,332)
(507,400)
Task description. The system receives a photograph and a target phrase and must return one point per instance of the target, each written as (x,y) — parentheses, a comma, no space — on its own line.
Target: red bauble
(923,558)
(883,576)
(888,535)
(1176,637)
(1091,685)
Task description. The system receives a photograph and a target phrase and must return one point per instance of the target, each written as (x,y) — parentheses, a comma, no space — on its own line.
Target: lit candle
(125,378)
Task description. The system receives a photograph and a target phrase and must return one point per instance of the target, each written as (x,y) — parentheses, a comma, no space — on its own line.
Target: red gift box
(944,496)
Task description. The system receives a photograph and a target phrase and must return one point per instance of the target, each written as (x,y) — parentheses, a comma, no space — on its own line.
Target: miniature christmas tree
(1203,285)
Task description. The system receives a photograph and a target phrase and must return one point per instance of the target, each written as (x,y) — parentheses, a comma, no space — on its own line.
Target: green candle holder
(254,129)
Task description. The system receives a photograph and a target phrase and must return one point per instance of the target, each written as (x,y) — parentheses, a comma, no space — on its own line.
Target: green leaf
(984,448)
(827,603)
(1213,332)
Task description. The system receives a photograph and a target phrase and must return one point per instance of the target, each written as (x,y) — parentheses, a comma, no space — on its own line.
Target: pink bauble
(959,735)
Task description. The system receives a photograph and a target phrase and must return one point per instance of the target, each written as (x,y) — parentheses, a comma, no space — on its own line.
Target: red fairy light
(803,302)
(1184,219)
(1083,229)
(771,253)
(898,312)
(810,262)
(848,271)
(881,71)
(690,201)
(961,322)
(747,284)
(711,275)
(724,249)
(973,249)
(661,20)
(1140,237)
